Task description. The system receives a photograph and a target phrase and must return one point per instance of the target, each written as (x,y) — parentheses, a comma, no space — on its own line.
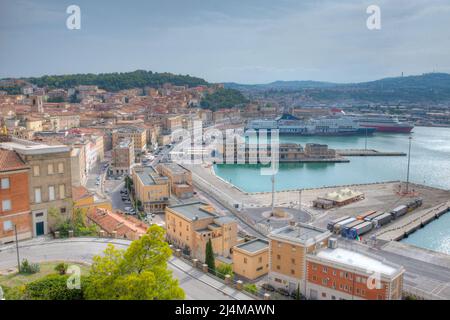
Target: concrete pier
(368,153)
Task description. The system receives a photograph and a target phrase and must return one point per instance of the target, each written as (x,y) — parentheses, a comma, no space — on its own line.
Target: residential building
(180,179)
(251,259)
(85,200)
(122,157)
(190,226)
(151,189)
(14,197)
(50,187)
(288,247)
(78,166)
(137,135)
(341,274)
(117,225)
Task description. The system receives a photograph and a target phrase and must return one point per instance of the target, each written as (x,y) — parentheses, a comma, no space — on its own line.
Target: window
(292,271)
(260,259)
(8,225)
(62,191)
(325,270)
(333,298)
(293,261)
(36,171)
(6,205)
(278,267)
(278,257)
(294,249)
(5,183)
(325,282)
(334,272)
(245,260)
(60,167)
(314,267)
(51,193)
(50,168)
(37,195)
(62,210)
(324,295)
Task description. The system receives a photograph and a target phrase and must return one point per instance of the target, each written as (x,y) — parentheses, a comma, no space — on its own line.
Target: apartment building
(78,166)
(251,259)
(151,189)
(137,135)
(50,187)
(180,179)
(122,157)
(340,274)
(14,197)
(172,123)
(288,247)
(191,225)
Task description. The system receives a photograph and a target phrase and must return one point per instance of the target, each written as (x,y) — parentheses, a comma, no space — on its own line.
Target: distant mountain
(429,87)
(279,85)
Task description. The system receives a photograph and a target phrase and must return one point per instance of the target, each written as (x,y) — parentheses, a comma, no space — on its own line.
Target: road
(196,284)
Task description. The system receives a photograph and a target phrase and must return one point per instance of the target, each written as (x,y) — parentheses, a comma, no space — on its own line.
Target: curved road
(196,284)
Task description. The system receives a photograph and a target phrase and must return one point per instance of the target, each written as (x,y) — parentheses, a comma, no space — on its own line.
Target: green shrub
(53,287)
(251,287)
(29,268)
(61,268)
(224,269)
(14,293)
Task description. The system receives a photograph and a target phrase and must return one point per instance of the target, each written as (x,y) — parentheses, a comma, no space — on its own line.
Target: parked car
(283,292)
(268,287)
(127,208)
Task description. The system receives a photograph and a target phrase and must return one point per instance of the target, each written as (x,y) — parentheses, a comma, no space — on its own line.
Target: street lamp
(409,160)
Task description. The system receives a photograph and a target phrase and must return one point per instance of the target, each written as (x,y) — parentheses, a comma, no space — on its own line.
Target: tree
(139,273)
(209,257)
(52,287)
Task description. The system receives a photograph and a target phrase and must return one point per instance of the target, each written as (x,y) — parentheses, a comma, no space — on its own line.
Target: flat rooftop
(192,210)
(300,233)
(32,148)
(254,245)
(174,167)
(147,175)
(357,260)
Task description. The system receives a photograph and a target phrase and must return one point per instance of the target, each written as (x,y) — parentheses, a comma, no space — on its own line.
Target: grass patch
(16,279)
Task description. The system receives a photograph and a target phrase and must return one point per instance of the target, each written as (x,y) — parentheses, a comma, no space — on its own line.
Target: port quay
(427,272)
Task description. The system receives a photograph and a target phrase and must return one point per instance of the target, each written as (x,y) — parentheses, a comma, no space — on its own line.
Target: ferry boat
(384,123)
(331,125)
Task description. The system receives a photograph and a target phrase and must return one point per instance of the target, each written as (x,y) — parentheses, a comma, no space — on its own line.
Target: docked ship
(331,126)
(384,123)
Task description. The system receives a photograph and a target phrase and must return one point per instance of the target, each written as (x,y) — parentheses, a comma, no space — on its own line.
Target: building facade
(251,259)
(122,157)
(151,189)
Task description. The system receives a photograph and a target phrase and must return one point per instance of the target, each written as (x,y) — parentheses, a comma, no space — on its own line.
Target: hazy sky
(247,41)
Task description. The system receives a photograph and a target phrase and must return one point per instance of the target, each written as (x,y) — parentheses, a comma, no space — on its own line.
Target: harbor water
(430,165)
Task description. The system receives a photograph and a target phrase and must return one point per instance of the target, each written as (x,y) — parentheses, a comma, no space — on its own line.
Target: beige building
(173,123)
(78,166)
(137,135)
(251,259)
(151,189)
(50,181)
(288,247)
(191,225)
(180,179)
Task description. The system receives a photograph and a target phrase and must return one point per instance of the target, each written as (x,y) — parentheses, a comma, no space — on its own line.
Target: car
(97,183)
(268,287)
(153,215)
(127,201)
(283,292)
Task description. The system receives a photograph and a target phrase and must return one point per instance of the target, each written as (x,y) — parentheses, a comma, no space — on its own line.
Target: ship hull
(391,129)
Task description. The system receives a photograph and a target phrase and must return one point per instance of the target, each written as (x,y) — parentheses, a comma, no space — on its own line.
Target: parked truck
(414,204)
(373,216)
(346,228)
(399,211)
(338,226)
(360,229)
(381,220)
(330,225)
(364,215)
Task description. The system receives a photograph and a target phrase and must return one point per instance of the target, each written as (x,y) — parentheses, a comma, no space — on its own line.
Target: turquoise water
(430,165)
(434,236)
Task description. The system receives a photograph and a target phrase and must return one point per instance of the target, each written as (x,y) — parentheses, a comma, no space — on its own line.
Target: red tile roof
(10,160)
(79,193)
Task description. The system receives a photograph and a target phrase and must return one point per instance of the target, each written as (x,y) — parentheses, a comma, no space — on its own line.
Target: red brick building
(14,197)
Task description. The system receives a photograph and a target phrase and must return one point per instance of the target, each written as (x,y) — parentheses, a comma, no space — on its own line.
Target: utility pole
(17,248)
(300,200)
(273,193)
(409,160)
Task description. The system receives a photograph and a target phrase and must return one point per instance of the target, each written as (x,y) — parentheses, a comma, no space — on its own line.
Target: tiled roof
(10,160)
(79,193)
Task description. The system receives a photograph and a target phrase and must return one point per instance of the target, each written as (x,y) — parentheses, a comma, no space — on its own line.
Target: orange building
(14,197)
(340,274)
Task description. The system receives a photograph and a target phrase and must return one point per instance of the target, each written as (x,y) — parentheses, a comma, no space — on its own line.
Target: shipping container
(364,215)
(331,224)
(379,221)
(338,226)
(346,228)
(360,229)
(414,204)
(399,211)
(372,216)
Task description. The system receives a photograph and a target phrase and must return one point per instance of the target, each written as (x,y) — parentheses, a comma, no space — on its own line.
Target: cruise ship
(331,126)
(384,123)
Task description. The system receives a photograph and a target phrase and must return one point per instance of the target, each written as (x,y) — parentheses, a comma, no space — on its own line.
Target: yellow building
(251,259)
(85,200)
(151,189)
(138,135)
(191,225)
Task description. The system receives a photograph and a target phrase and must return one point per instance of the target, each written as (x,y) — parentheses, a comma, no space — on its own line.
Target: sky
(244,41)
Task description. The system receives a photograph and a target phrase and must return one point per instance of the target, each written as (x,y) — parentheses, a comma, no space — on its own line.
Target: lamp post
(300,200)
(409,160)
(17,248)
